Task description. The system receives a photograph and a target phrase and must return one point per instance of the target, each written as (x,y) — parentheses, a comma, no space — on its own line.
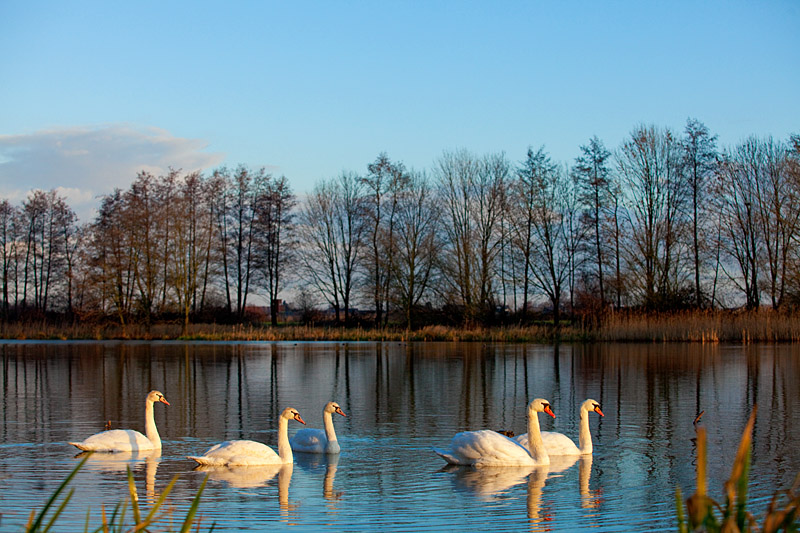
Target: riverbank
(687,326)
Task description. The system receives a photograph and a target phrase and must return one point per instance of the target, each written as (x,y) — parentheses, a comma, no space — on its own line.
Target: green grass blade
(137,516)
(682,528)
(59,510)
(104,526)
(161,499)
(37,523)
(741,494)
(187,523)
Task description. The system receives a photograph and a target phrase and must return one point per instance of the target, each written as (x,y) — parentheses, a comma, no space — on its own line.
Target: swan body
(128,440)
(313,440)
(251,453)
(560,444)
(489,448)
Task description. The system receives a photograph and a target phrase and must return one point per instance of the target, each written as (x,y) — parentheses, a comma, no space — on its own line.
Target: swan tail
(205,461)
(81,446)
(447,456)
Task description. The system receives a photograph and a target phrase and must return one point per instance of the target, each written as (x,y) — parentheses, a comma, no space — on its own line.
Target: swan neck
(284,448)
(584,435)
(535,443)
(327,420)
(150,430)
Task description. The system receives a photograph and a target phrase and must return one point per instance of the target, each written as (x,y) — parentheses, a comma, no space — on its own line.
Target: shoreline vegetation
(708,326)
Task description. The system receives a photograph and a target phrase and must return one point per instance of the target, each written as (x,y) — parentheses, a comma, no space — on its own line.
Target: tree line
(667,220)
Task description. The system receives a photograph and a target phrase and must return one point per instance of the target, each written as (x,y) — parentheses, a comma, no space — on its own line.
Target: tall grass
(765,325)
(47,517)
(702,513)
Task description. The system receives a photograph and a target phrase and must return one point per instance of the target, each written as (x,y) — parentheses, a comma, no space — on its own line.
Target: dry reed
(764,325)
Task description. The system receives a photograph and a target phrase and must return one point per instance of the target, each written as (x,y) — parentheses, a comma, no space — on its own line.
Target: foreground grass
(687,326)
(702,513)
(47,517)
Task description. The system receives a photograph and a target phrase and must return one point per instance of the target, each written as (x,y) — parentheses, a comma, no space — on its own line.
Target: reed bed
(764,325)
(615,326)
(253,332)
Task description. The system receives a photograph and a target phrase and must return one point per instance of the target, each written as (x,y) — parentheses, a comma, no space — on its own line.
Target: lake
(401,400)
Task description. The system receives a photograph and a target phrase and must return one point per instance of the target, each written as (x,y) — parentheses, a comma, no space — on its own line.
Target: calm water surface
(401,400)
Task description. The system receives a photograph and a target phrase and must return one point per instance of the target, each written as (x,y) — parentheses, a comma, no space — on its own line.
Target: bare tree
(577,232)
(415,254)
(779,213)
(70,238)
(274,220)
(650,166)
(33,212)
(549,259)
(793,176)
(737,199)
(247,187)
(615,230)
(758,199)
(44,215)
(189,243)
(220,198)
(472,192)
(331,234)
(10,246)
(523,206)
(384,182)
(699,163)
(166,191)
(112,256)
(141,210)
(592,171)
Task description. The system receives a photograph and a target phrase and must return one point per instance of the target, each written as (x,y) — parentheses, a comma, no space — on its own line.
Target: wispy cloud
(83,163)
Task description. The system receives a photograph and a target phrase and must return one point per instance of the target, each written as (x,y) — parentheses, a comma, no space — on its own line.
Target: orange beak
(297,417)
(598,411)
(164,400)
(549,411)
(339,411)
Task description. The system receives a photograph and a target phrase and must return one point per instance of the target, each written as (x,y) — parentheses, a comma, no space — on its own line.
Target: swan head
(540,405)
(592,405)
(290,413)
(333,407)
(157,396)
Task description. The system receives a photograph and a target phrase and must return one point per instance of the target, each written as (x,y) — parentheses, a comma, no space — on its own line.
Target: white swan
(489,448)
(313,440)
(128,440)
(248,452)
(560,444)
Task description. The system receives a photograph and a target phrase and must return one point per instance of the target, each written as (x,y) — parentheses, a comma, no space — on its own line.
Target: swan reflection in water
(590,499)
(310,461)
(120,461)
(250,477)
(495,483)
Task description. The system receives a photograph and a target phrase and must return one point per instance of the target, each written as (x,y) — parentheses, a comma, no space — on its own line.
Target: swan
(248,452)
(313,440)
(560,444)
(128,440)
(489,448)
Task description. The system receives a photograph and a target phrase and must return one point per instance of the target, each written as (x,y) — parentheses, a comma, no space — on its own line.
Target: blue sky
(92,92)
